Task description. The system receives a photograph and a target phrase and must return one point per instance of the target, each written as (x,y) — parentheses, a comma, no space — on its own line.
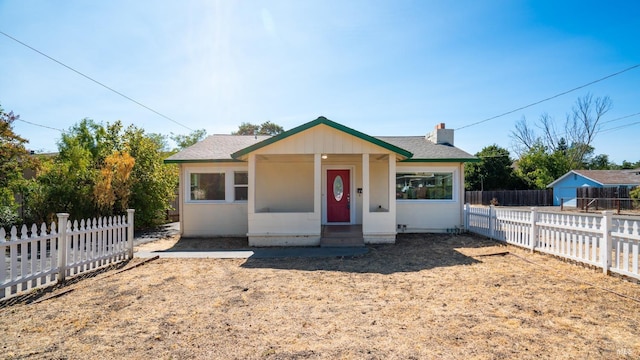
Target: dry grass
(425,297)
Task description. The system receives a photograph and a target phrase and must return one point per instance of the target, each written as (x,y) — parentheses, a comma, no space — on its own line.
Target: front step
(342,236)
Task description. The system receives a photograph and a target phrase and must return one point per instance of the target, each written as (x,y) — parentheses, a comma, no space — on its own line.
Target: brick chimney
(440,135)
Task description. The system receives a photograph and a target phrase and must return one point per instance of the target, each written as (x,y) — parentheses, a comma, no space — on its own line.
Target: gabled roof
(215,148)
(605,177)
(323,121)
(425,150)
(230,148)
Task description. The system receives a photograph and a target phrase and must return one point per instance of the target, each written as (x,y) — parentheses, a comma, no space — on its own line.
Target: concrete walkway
(259,253)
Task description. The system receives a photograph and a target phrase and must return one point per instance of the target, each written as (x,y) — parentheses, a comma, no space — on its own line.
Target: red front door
(338,196)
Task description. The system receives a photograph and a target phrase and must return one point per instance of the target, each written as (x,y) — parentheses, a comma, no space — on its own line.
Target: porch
(321,199)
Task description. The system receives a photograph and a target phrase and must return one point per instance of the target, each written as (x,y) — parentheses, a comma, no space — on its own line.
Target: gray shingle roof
(220,147)
(612,177)
(425,149)
(215,148)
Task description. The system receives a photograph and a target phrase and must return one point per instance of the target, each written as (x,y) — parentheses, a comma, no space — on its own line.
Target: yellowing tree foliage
(113,184)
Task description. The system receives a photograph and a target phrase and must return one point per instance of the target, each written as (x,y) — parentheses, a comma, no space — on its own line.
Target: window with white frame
(424,186)
(241,185)
(207,186)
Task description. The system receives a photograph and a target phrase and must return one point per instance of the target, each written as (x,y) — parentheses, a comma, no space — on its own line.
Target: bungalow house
(564,188)
(286,189)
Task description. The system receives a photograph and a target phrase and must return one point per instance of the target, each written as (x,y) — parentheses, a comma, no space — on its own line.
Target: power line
(620,127)
(95,81)
(549,98)
(39,125)
(610,121)
(620,118)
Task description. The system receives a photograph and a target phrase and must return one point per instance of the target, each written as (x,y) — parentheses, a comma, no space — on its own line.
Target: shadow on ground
(50,290)
(210,244)
(410,253)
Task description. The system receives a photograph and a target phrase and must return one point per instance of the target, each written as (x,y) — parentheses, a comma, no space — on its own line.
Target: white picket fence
(33,259)
(606,241)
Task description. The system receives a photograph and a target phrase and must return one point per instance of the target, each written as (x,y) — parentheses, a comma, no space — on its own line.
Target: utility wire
(620,127)
(39,125)
(620,118)
(610,121)
(95,81)
(549,98)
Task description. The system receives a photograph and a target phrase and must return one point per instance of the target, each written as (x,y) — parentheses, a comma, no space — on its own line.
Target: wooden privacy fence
(511,197)
(33,259)
(605,241)
(605,198)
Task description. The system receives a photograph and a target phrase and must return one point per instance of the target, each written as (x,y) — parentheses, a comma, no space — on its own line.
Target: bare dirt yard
(428,296)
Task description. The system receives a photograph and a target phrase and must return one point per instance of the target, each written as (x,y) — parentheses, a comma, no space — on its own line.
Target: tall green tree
(600,162)
(153,183)
(629,165)
(13,158)
(537,167)
(266,128)
(100,170)
(493,172)
(184,141)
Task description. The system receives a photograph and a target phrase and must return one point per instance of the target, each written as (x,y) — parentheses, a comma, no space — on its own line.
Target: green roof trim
(469,160)
(193,161)
(322,120)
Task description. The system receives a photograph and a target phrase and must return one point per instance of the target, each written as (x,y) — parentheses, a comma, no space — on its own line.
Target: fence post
(130,231)
(533,241)
(466,216)
(492,212)
(606,246)
(62,245)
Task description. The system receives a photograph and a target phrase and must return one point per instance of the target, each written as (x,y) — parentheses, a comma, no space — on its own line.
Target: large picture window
(207,186)
(424,186)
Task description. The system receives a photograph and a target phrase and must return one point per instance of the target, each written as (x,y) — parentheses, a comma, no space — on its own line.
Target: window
(207,186)
(241,185)
(424,186)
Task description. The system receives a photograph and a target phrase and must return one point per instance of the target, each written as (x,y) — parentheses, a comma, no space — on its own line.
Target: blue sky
(381,67)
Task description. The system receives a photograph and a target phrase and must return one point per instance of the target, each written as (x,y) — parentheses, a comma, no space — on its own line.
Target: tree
(13,158)
(184,141)
(629,165)
(493,172)
(635,195)
(267,128)
(600,162)
(102,170)
(538,168)
(579,130)
(113,184)
(153,183)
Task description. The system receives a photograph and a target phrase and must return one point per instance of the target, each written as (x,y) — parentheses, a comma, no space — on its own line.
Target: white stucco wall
(212,218)
(379,184)
(284,185)
(432,215)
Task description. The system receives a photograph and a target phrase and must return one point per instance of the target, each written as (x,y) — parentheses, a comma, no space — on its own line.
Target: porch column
(317,185)
(365,191)
(392,187)
(251,201)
